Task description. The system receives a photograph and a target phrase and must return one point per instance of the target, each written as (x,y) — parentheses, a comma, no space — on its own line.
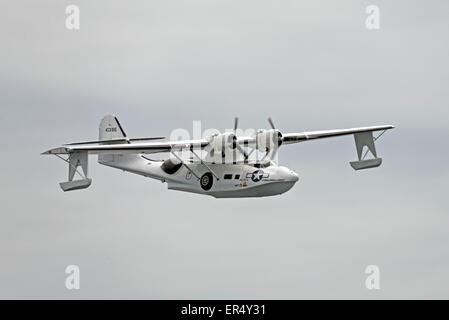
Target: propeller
(237,145)
(270,121)
(280,139)
(279,134)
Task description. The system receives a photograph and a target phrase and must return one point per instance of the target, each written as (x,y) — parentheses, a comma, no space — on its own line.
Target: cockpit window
(170,166)
(262,165)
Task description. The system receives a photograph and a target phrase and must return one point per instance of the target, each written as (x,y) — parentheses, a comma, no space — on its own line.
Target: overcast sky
(159,65)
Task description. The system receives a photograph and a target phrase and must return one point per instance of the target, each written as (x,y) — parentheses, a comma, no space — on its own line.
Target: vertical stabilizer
(110,129)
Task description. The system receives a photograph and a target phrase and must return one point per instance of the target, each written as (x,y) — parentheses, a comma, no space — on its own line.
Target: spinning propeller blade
(271,123)
(280,138)
(238,146)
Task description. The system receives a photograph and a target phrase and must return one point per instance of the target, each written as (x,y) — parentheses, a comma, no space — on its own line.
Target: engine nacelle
(267,139)
(222,146)
(221,142)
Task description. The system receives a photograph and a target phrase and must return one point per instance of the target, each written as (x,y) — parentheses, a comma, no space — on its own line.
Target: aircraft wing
(363,137)
(289,138)
(126,148)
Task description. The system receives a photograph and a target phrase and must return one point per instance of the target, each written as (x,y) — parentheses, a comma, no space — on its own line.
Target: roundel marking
(257,175)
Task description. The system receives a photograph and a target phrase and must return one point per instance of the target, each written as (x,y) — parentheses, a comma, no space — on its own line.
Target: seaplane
(221,165)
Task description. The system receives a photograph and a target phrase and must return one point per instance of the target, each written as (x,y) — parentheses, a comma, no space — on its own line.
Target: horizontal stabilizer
(114,141)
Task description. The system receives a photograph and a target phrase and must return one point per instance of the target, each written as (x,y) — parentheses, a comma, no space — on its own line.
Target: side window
(237,176)
(228,176)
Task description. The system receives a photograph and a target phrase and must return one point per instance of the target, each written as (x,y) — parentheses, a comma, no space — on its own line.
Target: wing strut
(184,164)
(202,162)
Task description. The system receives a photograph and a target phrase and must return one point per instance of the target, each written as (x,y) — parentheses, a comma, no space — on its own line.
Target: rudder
(110,129)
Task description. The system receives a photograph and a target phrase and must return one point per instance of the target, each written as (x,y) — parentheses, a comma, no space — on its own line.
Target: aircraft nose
(290,175)
(294,176)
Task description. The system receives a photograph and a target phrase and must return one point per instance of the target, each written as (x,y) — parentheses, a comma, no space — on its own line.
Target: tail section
(110,129)
(111,132)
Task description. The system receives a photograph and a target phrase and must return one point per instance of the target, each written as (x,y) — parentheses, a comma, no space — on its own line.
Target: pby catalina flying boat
(227,169)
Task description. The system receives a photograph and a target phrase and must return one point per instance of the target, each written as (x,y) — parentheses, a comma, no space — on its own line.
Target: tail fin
(110,129)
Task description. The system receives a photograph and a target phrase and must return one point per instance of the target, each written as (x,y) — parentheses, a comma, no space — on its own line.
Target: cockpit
(262,164)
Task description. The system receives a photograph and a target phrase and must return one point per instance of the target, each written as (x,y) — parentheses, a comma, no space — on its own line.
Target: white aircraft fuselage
(227,180)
